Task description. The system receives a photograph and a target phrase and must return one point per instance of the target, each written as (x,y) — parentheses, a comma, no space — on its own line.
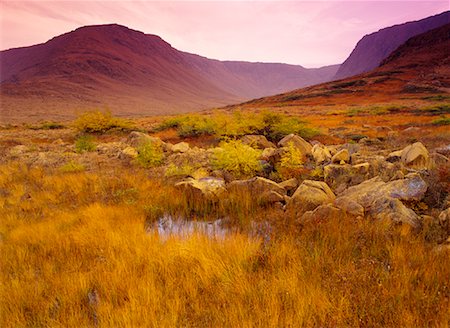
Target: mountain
(420,68)
(373,48)
(132,73)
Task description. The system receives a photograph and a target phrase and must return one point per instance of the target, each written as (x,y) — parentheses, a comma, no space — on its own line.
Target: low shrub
(196,125)
(237,158)
(84,143)
(100,122)
(150,154)
(291,162)
(441,121)
(72,167)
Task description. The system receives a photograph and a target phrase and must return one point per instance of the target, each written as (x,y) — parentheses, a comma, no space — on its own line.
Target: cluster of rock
(355,180)
(355,184)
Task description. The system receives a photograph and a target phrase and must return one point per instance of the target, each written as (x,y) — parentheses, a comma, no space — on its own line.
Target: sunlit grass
(76,253)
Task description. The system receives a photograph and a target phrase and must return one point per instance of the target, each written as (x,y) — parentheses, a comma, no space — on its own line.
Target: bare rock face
(209,187)
(257,141)
(309,195)
(321,154)
(298,142)
(416,156)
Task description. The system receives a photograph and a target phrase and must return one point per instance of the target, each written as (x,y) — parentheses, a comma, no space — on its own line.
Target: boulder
(309,195)
(416,156)
(341,156)
(181,147)
(256,186)
(321,154)
(321,213)
(341,176)
(111,149)
(298,142)
(257,141)
(136,139)
(412,188)
(270,197)
(271,155)
(444,220)
(395,156)
(128,153)
(388,208)
(289,185)
(349,206)
(439,159)
(208,187)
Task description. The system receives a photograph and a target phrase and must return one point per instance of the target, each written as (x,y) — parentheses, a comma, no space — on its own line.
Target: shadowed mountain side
(373,48)
(133,74)
(421,66)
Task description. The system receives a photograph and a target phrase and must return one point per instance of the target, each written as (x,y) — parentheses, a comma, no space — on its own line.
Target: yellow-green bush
(237,158)
(100,122)
(71,167)
(291,162)
(84,143)
(150,154)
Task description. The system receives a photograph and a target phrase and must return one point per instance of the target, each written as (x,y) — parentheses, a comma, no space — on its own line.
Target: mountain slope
(133,74)
(418,68)
(373,48)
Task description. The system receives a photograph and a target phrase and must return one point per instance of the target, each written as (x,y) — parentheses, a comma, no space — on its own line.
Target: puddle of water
(168,226)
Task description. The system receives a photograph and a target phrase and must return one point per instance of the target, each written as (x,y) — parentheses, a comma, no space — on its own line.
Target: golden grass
(75,253)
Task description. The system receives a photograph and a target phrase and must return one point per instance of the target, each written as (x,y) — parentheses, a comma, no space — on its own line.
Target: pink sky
(308,33)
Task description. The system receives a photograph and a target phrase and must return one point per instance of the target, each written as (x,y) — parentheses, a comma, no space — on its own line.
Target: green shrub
(150,154)
(72,167)
(196,125)
(84,143)
(290,125)
(237,158)
(441,121)
(170,123)
(100,122)
(291,162)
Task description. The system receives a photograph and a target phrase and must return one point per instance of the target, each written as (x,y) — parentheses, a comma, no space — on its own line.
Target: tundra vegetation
(320,229)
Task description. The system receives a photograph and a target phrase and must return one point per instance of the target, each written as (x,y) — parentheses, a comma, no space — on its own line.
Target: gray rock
(309,195)
(257,141)
(298,142)
(321,154)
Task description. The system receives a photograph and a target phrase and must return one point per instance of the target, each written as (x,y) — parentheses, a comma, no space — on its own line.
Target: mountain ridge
(370,50)
(134,74)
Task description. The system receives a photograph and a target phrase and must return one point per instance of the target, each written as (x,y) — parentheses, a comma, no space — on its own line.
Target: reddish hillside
(133,74)
(420,67)
(372,49)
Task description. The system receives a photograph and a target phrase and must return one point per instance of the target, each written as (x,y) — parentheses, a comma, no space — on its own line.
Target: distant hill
(132,73)
(373,48)
(418,68)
